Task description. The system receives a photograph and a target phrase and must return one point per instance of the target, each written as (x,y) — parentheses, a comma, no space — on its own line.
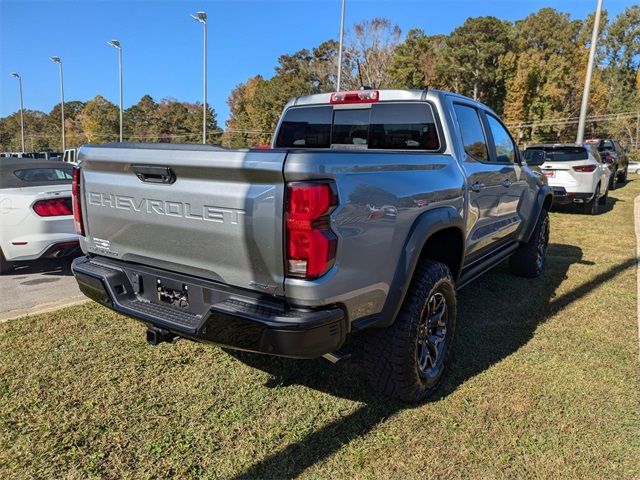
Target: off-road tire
(591,207)
(391,354)
(529,259)
(5,267)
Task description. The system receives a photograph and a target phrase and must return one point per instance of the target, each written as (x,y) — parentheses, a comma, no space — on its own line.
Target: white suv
(576,173)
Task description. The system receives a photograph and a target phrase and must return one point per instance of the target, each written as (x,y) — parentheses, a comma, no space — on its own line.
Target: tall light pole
(15,75)
(340,47)
(587,80)
(202,18)
(57,60)
(116,44)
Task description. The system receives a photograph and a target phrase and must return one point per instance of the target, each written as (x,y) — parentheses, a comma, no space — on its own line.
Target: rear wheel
(603,199)
(408,359)
(5,267)
(591,207)
(529,260)
(623,176)
(613,179)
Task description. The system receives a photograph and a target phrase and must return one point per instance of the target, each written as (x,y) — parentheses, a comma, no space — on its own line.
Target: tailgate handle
(154,174)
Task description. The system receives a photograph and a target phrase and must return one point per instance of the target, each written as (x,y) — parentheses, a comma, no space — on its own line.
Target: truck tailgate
(217,215)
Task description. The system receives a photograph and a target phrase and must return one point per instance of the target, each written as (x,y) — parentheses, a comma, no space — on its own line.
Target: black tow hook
(156,336)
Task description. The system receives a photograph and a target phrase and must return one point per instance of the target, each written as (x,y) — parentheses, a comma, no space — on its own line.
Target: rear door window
(473,137)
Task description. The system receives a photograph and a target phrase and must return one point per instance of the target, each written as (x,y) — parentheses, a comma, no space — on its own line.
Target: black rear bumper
(562,197)
(215,313)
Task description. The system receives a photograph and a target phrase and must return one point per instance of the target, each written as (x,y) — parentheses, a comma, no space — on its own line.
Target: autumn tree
(371,48)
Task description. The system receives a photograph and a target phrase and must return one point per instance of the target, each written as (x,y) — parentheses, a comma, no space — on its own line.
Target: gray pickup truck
(368,212)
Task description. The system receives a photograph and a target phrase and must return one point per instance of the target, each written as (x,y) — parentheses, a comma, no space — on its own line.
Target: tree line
(531,72)
(98,121)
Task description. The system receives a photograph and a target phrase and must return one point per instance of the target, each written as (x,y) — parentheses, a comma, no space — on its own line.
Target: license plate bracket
(173,294)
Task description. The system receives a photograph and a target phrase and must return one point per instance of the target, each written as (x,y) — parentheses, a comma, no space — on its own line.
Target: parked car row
(581,174)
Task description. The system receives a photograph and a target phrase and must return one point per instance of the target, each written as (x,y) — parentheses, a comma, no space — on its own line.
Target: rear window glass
(308,127)
(350,127)
(406,127)
(396,126)
(606,145)
(40,175)
(562,154)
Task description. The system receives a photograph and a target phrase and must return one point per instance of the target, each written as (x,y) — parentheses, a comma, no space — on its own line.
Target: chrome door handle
(476,187)
(507,183)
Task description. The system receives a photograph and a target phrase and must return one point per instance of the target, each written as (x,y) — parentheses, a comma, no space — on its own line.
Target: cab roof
(386,95)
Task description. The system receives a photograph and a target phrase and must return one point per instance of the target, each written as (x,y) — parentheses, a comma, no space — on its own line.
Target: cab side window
(505,149)
(473,137)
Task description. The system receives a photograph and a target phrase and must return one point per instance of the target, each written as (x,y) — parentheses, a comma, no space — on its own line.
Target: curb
(44,308)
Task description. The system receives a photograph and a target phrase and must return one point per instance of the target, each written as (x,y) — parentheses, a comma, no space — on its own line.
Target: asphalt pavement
(34,287)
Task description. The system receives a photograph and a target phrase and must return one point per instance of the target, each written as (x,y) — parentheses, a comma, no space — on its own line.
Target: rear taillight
(53,207)
(311,245)
(75,198)
(585,168)
(361,96)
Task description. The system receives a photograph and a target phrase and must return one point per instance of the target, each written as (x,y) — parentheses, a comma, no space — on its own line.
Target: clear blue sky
(162,45)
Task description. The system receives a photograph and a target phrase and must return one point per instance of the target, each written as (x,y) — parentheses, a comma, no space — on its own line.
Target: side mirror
(535,158)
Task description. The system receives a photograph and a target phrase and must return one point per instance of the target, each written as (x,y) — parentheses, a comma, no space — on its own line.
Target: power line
(571,120)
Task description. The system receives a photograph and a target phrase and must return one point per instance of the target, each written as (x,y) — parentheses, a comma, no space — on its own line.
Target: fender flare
(425,226)
(544,193)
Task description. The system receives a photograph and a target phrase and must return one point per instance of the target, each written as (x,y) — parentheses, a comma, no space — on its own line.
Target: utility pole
(59,62)
(587,81)
(202,18)
(340,47)
(16,75)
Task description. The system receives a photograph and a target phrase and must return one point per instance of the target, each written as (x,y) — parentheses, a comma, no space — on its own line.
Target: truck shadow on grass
(497,315)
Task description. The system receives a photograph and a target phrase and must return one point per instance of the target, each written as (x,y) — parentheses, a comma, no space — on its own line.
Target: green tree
(407,68)
(472,58)
(141,121)
(100,120)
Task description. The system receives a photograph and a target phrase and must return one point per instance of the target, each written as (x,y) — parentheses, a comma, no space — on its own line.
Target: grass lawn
(545,383)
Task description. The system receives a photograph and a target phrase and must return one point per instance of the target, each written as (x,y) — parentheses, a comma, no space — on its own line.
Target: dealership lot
(544,384)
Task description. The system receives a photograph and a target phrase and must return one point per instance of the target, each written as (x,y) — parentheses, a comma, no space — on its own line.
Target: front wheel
(530,257)
(408,359)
